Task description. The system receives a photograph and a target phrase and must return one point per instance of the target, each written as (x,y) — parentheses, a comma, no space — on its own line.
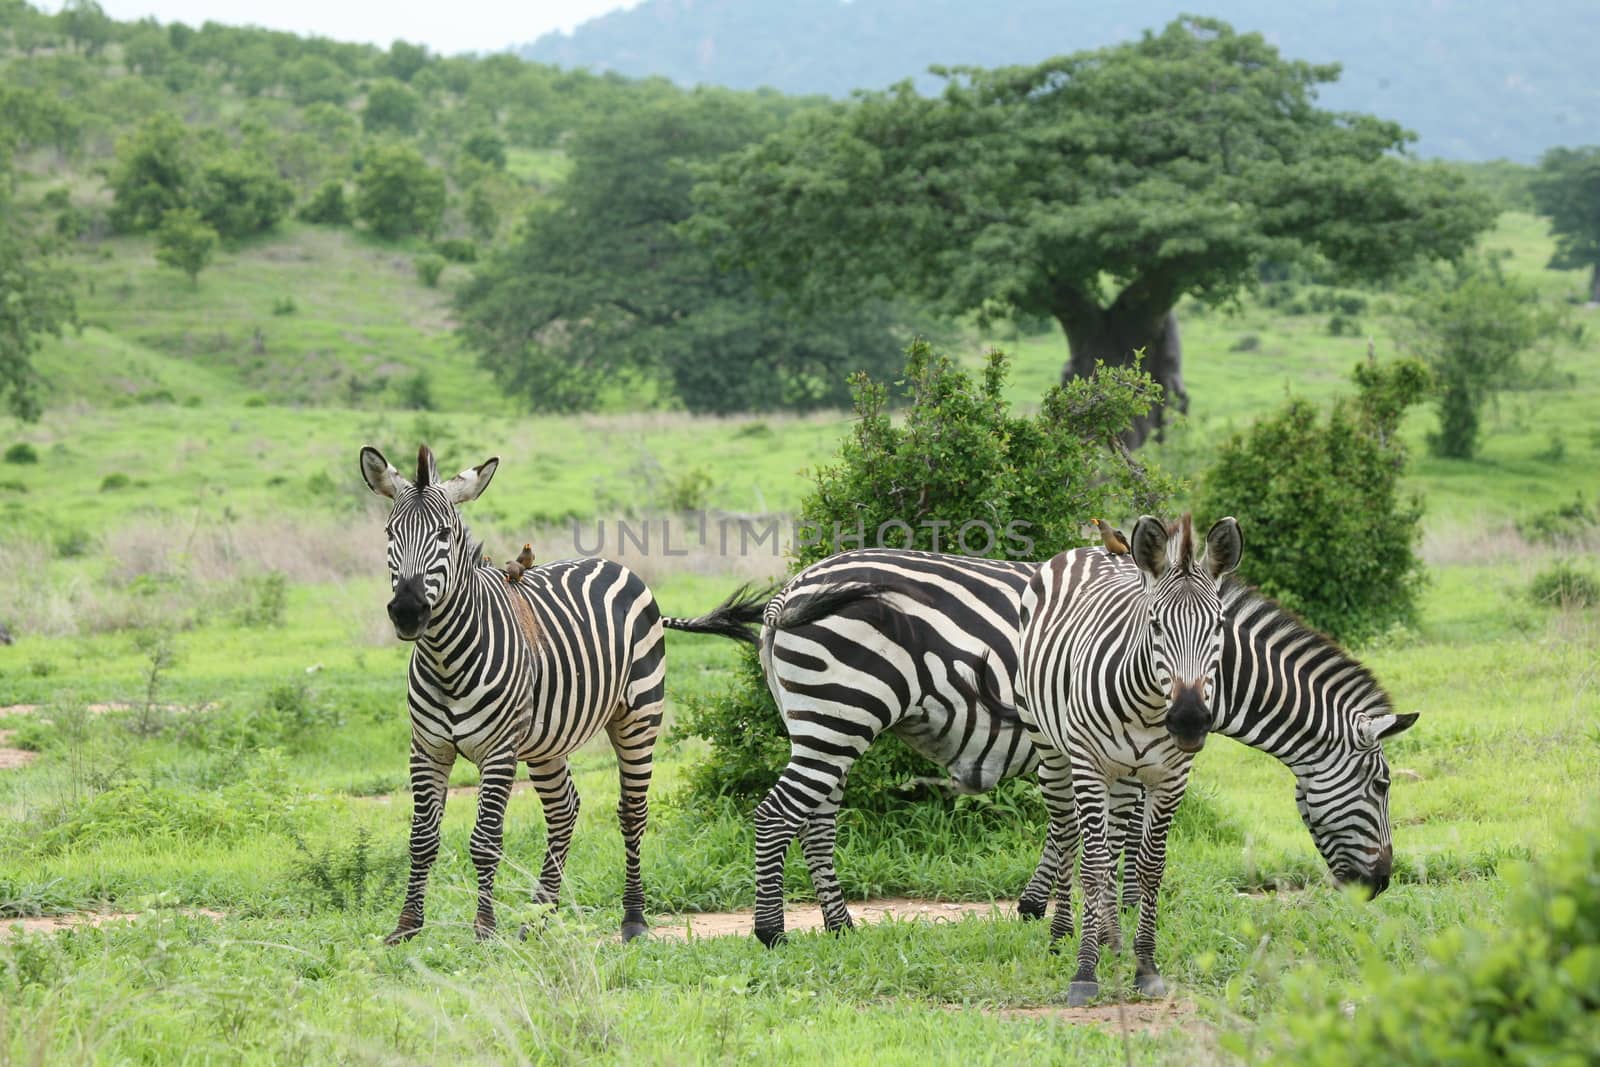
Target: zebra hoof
(1150,985)
(402,934)
(1031,911)
(771,936)
(634,928)
(1080,993)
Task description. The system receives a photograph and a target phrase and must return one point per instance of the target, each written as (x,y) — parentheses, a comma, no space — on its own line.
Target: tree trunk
(1594,285)
(1112,338)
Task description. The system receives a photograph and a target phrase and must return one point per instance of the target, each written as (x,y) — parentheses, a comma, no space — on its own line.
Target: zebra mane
(1267,619)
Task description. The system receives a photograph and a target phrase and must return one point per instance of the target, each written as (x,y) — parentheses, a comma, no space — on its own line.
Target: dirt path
(800,917)
(10,928)
(1139,1016)
(12,758)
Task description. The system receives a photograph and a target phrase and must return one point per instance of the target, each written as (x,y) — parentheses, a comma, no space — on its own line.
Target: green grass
(273,793)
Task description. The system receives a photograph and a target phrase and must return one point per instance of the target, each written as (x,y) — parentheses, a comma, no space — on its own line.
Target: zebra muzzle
(1188,718)
(409,609)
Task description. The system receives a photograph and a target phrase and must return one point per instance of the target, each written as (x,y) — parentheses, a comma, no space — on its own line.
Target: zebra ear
(1224,547)
(379,474)
(1388,725)
(470,484)
(1149,545)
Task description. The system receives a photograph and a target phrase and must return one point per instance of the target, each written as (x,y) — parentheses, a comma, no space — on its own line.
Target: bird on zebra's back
(907,637)
(513,568)
(1112,538)
(506,673)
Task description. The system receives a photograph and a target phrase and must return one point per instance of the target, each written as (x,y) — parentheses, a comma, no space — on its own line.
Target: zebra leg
(1127,821)
(634,739)
(1161,803)
(780,815)
(1060,847)
(816,841)
(1091,794)
(429,779)
(494,790)
(559,799)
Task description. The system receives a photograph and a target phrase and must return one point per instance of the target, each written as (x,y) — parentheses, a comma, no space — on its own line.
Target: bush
(185,243)
(416,391)
(1563,585)
(397,193)
(239,195)
(457,250)
(959,454)
(114,480)
(1522,991)
(284,305)
(22,452)
(429,267)
(327,206)
(263,600)
(1566,522)
(1328,531)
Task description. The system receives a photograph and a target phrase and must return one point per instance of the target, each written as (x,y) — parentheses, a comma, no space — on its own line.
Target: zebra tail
(738,617)
(987,695)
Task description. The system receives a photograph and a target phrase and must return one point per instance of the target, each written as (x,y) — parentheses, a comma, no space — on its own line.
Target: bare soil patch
(12,758)
(100,709)
(10,928)
(802,917)
(1138,1016)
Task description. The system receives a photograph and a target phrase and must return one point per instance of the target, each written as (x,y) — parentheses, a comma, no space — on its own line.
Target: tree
(327,206)
(185,242)
(604,285)
(391,107)
(397,193)
(1096,189)
(238,195)
(1472,325)
(151,174)
(86,24)
(1566,190)
(36,294)
(486,147)
(405,59)
(1331,534)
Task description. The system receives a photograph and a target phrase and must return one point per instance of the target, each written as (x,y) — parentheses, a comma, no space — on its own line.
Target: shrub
(959,454)
(457,250)
(1564,585)
(22,452)
(416,391)
(239,195)
(1328,531)
(397,193)
(1522,991)
(429,267)
(263,600)
(113,481)
(1565,522)
(185,243)
(1249,342)
(328,205)
(688,491)
(284,305)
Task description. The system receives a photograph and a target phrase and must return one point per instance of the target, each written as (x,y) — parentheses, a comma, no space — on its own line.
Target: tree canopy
(1095,188)
(603,284)
(1567,190)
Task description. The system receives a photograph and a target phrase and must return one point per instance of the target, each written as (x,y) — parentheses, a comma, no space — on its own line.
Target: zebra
(1114,679)
(875,640)
(479,687)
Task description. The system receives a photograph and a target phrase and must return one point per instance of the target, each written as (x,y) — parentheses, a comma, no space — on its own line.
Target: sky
(445,27)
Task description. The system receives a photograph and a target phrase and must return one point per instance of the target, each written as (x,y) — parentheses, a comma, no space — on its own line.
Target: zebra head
(1344,802)
(1183,609)
(429,547)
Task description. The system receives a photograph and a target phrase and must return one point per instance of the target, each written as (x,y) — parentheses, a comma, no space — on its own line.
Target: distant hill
(1477,81)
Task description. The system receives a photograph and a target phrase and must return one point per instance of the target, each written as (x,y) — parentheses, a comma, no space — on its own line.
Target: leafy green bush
(1561,523)
(397,193)
(263,600)
(328,205)
(113,481)
(185,242)
(429,267)
(1328,530)
(1524,991)
(1562,584)
(959,454)
(22,452)
(457,249)
(239,195)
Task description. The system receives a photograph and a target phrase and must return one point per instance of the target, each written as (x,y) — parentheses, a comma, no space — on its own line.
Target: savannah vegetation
(204,715)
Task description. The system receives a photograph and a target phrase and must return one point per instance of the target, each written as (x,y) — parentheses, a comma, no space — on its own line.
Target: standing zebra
(481,686)
(878,639)
(1114,680)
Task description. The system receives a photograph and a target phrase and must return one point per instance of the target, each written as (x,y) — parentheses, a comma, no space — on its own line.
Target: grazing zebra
(1114,681)
(480,686)
(878,639)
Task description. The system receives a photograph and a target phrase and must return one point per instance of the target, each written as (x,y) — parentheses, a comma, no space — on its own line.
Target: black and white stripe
(479,688)
(906,627)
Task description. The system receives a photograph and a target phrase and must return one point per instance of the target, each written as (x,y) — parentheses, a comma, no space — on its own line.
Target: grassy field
(246,797)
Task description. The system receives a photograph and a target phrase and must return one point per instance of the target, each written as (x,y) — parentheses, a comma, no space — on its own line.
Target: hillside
(1475,81)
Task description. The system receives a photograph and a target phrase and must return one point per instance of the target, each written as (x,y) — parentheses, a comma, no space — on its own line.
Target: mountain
(1476,81)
